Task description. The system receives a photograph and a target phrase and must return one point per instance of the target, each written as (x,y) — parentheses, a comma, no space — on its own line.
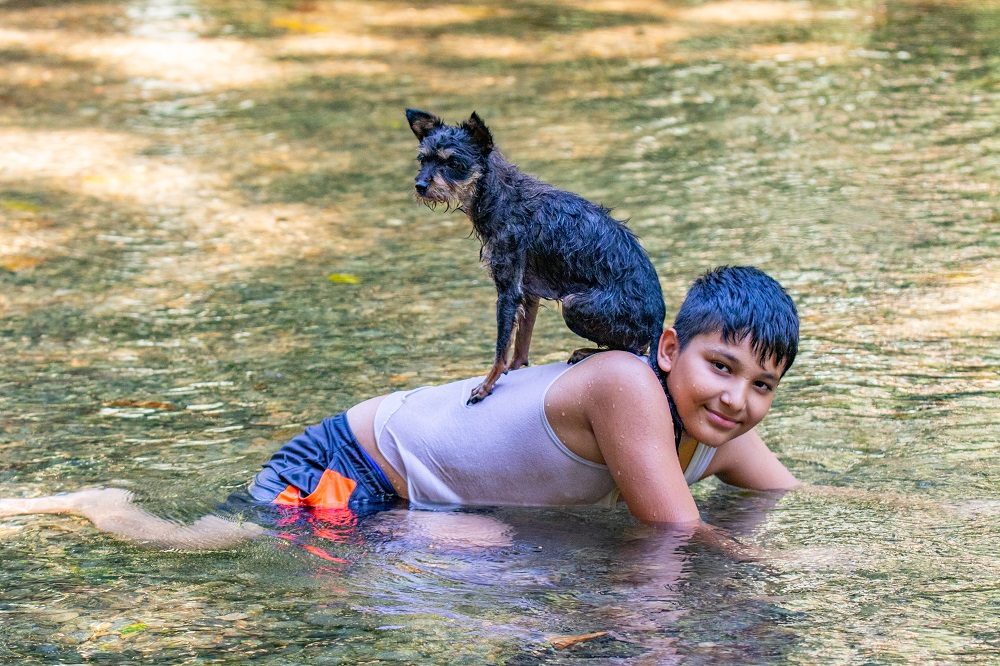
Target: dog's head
(452,157)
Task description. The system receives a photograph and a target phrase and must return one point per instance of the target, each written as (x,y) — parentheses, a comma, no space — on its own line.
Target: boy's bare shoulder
(615,361)
(747,462)
(619,374)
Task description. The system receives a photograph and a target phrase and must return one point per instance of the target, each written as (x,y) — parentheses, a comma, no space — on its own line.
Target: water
(180,179)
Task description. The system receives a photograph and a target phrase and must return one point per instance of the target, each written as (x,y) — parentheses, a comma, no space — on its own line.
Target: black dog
(539,242)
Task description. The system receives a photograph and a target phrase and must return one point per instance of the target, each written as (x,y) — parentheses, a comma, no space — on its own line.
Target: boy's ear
(667,350)
(422,123)
(479,132)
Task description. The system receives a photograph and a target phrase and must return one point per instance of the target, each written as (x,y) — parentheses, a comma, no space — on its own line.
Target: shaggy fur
(539,242)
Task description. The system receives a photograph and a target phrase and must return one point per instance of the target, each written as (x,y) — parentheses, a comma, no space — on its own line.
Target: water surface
(181,179)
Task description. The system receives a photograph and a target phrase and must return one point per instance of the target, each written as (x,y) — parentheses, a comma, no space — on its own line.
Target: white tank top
(501,451)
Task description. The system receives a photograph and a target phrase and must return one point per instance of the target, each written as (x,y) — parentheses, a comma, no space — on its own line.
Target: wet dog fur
(539,242)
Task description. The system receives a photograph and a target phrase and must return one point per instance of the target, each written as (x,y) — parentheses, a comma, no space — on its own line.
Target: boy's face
(721,389)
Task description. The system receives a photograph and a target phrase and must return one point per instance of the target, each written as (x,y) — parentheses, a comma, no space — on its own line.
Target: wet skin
(611,410)
(721,389)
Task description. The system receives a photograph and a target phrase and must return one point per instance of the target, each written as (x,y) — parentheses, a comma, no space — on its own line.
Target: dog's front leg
(525,323)
(506,310)
(507,276)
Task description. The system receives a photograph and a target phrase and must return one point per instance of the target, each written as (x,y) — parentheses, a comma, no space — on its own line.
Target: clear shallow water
(180,179)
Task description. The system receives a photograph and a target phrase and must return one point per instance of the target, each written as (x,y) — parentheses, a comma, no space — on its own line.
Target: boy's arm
(630,419)
(746,462)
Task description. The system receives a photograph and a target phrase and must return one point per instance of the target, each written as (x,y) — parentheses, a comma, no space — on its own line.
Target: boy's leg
(113,511)
(62,503)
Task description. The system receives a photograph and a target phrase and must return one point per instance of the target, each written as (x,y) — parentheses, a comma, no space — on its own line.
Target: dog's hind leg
(525,323)
(606,321)
(583,352)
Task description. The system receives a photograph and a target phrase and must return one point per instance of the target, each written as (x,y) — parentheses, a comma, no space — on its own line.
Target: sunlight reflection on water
(182,178)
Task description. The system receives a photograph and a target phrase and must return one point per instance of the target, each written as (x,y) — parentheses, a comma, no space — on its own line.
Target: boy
(551,435)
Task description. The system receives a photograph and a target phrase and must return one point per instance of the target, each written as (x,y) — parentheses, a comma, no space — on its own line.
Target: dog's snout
(421,186)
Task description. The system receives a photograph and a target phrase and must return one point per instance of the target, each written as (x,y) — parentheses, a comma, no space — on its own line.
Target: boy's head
(735,336)
(742,302)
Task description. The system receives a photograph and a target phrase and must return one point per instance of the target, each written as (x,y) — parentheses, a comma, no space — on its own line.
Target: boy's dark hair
(741,301)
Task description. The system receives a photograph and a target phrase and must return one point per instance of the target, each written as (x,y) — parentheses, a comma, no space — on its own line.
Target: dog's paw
(479,393)
(581,354)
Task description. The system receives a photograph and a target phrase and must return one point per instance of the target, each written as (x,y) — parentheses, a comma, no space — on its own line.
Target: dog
(539,242)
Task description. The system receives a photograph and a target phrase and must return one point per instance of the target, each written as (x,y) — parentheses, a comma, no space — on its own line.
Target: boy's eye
(764,386)
(719,365)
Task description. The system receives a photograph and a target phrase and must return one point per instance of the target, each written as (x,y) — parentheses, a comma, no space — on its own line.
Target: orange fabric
(319,552)
(332,492)
(289,496)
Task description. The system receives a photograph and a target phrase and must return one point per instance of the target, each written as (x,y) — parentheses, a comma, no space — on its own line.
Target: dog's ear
(422,123)
(479,132)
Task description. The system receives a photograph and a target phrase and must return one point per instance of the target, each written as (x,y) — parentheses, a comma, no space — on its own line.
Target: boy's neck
(687,440)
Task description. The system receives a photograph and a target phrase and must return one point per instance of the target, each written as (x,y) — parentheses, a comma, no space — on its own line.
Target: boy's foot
(65,502)
(18,507)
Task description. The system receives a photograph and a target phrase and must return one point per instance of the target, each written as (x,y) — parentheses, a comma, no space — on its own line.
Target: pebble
(232,617)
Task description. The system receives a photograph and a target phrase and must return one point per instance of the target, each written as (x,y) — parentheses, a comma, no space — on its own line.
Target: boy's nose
(735,396)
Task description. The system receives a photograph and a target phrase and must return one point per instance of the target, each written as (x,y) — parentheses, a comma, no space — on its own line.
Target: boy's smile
(721,389)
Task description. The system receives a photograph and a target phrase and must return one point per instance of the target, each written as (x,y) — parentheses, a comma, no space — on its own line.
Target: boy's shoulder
(613,361)
(615,358)
(619,374)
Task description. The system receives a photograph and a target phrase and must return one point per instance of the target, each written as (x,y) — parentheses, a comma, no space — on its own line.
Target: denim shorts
(324,468)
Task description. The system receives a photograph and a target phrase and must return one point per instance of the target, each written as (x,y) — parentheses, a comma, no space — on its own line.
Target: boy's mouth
(718,419)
